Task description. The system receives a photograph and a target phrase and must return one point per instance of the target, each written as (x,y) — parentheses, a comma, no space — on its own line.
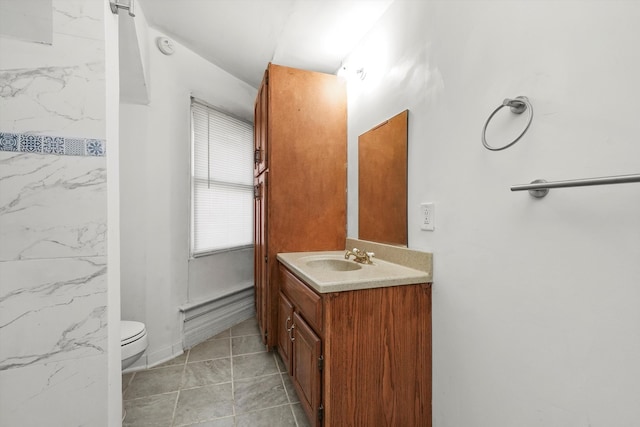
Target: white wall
(133,55)
(157,275)
(535,302)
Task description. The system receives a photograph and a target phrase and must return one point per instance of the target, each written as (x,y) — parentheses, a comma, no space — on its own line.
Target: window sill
(220,251)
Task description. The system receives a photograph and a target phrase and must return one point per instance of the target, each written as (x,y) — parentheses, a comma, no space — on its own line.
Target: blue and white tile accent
(31,143)
(53,145)
(94,147)
(74,147)
(9,141)
(46,144)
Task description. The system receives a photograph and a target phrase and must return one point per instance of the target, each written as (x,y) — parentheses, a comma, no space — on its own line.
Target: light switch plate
(427,216)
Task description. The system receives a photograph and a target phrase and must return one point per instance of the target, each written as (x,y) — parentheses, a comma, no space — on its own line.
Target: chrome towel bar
(539,188)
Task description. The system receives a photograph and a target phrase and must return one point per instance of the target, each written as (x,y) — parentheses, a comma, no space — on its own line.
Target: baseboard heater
(205,319)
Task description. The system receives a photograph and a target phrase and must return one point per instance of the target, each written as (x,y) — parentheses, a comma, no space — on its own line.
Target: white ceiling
(243,36)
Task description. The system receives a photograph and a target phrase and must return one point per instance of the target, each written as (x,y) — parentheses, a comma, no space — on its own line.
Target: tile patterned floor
(227,381)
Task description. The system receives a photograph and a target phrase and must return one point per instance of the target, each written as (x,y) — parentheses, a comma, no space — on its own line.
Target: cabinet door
(307,351)
(260,127)
(285,332)
(260,253)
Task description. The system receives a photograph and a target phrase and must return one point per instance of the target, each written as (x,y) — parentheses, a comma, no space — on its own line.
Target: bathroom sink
(332,264)
(329,271)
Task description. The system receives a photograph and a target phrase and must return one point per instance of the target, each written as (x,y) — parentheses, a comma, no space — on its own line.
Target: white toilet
(133,341)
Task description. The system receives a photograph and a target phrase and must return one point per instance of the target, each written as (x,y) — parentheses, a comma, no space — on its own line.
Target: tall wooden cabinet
(300,175)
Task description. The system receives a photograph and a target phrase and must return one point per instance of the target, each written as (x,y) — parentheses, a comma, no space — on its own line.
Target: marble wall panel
(79,18)
(59,88)
(52,206)
(51,310)
(53,223)
(27,20)
(64,98)
(64,393)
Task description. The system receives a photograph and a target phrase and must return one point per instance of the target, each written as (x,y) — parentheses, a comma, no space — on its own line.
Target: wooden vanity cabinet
(301,351)
(285,337)
(306,368)
(299,345)
(300,141)
(366,360)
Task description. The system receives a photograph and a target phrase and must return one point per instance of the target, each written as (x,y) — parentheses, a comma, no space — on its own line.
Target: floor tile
(259,393)
(290,388)
(253,365)
(156,411)
(220,422)
(247,344)
(248,327)
(224,334)
(214,349)
(204,404)
(126,379)
(197,374)
(200,387)
(179,360)
(280,416)
(301,416)
(281,365)
(154,381)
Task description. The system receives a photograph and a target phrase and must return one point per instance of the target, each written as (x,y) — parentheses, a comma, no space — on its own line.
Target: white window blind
(222,180)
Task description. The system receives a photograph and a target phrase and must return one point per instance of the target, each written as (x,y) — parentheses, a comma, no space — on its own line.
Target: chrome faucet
(363,257)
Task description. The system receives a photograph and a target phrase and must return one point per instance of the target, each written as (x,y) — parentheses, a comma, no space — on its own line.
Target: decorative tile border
(31,143)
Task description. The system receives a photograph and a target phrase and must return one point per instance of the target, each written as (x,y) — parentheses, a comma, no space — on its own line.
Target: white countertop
(377,275)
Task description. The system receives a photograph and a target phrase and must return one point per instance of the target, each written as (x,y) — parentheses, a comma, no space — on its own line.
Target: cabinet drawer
(306,302)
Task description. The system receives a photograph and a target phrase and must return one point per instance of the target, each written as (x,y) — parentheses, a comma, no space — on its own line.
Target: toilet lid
(131,331)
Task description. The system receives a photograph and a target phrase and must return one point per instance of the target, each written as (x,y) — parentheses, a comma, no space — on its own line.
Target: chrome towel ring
(518,106)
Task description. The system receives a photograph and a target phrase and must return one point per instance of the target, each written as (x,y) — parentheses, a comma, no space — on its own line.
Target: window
(222,180)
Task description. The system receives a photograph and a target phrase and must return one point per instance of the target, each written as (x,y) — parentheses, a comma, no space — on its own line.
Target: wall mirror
(382,182)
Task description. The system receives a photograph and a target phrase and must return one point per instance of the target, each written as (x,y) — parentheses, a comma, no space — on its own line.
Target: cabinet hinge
(257,155)
(266,258)
(320,363)
(257,193)
(320,413)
